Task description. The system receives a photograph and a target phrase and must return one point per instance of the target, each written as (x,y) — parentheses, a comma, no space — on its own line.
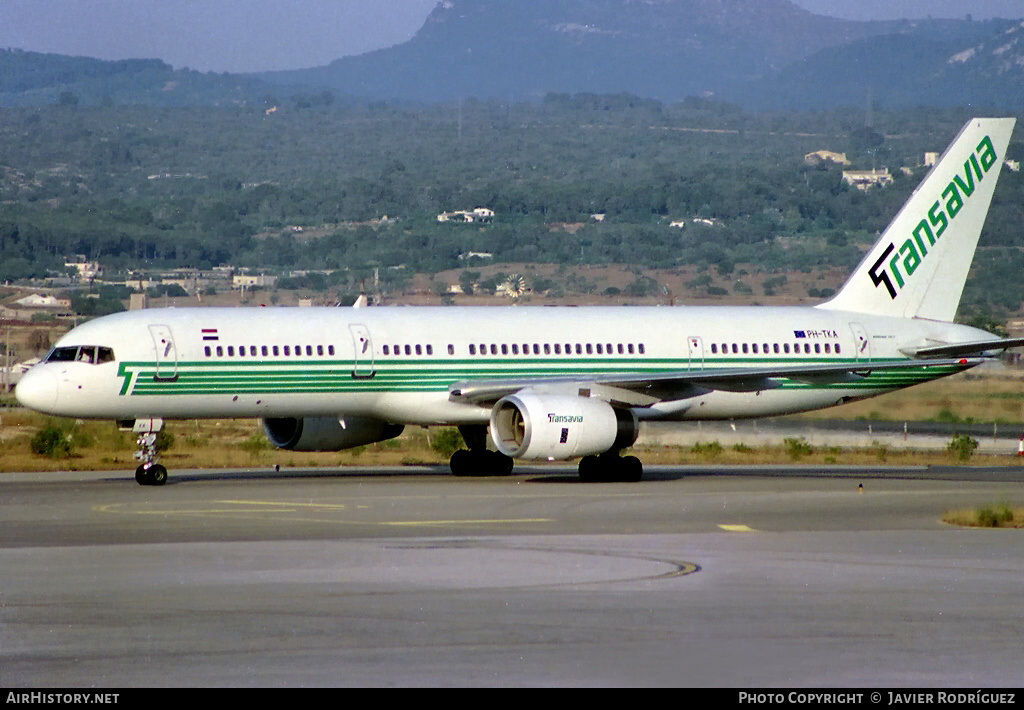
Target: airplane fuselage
(397,364)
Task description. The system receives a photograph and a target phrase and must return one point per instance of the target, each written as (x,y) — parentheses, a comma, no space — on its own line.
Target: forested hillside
(202,187)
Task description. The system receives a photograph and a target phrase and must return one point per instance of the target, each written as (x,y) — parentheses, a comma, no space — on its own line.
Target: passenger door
(695,348)
(166,353)
(362,359)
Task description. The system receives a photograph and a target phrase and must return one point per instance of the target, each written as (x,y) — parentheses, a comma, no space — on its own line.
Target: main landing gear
(609,467)
(478,461)
(481,463)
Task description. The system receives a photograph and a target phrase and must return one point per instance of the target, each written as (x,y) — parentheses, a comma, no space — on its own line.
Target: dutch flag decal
(210,334)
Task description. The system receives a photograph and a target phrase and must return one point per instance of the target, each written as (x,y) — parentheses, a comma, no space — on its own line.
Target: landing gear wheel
(609,467)
(462,462)
(503,464)
(155,475)
(632,469)
(590,469)
(481,463)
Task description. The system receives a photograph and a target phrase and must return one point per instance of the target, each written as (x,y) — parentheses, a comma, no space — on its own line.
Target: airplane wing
(961,349)
(648,389)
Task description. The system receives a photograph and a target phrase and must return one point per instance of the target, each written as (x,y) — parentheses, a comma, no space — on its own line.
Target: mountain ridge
(770,55)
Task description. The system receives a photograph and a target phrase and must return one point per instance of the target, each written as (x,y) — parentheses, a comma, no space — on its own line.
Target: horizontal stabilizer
(978,347)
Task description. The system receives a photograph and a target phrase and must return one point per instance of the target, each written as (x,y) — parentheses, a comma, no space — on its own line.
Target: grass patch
(707,450)
(1000,515)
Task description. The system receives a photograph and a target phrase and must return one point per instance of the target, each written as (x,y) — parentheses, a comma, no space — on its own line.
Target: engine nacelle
(328,433)
(539,426)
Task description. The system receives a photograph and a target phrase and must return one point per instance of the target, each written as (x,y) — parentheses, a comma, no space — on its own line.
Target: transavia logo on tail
(893,267)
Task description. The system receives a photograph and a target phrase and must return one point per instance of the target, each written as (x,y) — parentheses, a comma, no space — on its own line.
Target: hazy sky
(254,35)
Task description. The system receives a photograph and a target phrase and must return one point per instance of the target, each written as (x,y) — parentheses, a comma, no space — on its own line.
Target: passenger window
(206,350)
(641,347)
(430,349)
(276,351)
(547,349)
(231,351)
(386,350)
(837,348)
(472,349)
(629,348)
(419,349)
(451,349)
(599,349)
(504,349)
(320,350)
(220,351)
(287,350)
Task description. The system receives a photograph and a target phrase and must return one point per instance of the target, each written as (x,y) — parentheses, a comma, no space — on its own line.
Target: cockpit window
(91,354)
(62,355)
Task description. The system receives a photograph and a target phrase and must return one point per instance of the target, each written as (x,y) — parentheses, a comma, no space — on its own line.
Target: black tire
(501,464)
(157,475)
(140,476)
(462,463)
(632,469)
(590,469)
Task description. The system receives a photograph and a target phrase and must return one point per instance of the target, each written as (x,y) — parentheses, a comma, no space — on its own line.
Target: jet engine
(328,433)
(538,426)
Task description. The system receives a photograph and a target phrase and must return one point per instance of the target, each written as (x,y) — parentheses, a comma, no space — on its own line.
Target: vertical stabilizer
(917,269)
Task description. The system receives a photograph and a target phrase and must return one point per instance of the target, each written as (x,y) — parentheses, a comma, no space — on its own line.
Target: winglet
(919,266)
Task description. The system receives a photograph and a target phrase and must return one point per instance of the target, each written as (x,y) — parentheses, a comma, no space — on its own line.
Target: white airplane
(548,383)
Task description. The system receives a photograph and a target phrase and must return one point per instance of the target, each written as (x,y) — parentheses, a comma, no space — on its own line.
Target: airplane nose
(37,390)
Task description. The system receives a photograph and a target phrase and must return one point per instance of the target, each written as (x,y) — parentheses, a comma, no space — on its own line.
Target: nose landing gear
(149,472)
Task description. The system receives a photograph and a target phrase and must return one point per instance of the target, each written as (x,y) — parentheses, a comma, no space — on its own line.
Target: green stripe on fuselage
(309,377)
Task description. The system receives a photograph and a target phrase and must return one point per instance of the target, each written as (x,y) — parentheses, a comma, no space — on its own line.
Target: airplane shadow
(567,474)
